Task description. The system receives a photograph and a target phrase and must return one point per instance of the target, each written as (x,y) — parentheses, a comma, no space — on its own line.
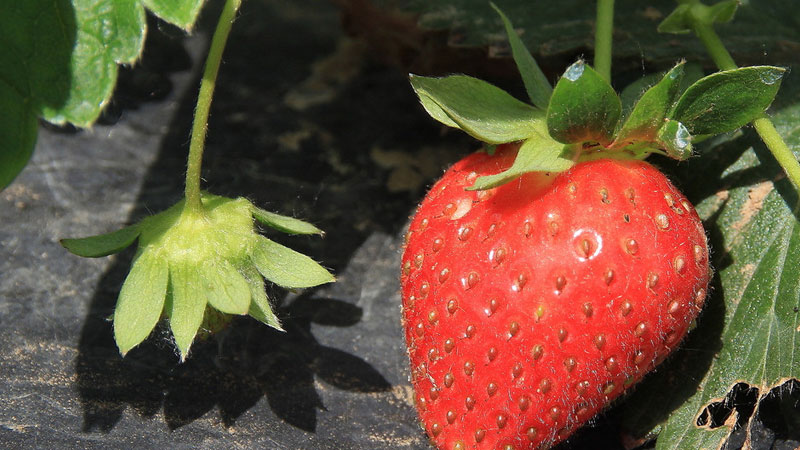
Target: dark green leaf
(554,30)
(141,301)
(18,127)
(188,305)
(260,309)
(583,108)
(677,22)
(225,288)
(727,100)
(102,244)
(650,111)
(286,267)
(675,139)
(179,12)
(722,12)
(748,330)
(539,89)
(537,154)
(284,223)
(485,112)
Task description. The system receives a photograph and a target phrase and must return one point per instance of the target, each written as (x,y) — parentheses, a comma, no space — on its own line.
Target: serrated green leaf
(58,61)
(537,154)
(748,331)
(141,301)
(225,288)
(536,83)
(260,308)
(18,128)
(102,244)
(188,305)
(480,109)
(181,12)
(285,224)
(727,100)
(675,139)
(286,267)
(652,108)
(554,30)
(682,19)
(722,12)
(583,108)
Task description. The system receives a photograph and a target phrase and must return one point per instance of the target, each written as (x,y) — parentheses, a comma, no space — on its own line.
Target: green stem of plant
(604,29)
(197,144)
(714,46)
(763,125)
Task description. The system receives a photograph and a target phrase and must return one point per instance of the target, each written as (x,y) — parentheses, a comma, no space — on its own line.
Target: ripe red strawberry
(529,307)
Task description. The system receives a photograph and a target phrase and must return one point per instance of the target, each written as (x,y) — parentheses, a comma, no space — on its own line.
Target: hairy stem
(604,29)
(199,127)
(763,125)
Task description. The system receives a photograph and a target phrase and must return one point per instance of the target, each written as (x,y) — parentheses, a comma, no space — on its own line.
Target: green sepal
(536,84)
(537,154)
(583,108)
(286,267)
(285,224)
(675,139)
(188,305)
(480,109)
(727,100)
(682,19)
(260,308)
(102,244)
(226,289)
(652,108)
(141,301)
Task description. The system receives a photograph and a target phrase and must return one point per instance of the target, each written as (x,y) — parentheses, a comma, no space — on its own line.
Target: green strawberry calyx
(582,118)
(198,267)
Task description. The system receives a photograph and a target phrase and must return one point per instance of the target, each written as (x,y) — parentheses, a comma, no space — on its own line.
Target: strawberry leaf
(537,154)
(141,301)
(285,224)
(480,109)
(727,100)
(102,244)
(748,331)
(226,289)
(187,306)
(539,89)
(650,111)
(680,20)
(583,108)
(286,267)
(58,61)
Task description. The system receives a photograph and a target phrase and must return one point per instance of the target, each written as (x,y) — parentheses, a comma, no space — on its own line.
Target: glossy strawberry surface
(529,307)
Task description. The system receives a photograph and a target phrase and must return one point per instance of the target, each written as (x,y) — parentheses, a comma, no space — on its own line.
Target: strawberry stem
(196,146)
(704,30)
(604,29)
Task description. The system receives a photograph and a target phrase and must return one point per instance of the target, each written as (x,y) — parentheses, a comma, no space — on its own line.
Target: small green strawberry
(199,267)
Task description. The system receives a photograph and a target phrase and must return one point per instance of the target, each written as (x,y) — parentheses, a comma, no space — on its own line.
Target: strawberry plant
(526,266)
(546,277)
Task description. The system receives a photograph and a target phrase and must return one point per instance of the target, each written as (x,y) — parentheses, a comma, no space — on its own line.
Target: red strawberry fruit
(529,307)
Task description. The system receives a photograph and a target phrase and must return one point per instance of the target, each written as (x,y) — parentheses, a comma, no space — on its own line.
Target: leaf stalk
(704,30)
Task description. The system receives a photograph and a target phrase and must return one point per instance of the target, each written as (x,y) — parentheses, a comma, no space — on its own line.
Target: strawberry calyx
(582,118)
(199,267)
